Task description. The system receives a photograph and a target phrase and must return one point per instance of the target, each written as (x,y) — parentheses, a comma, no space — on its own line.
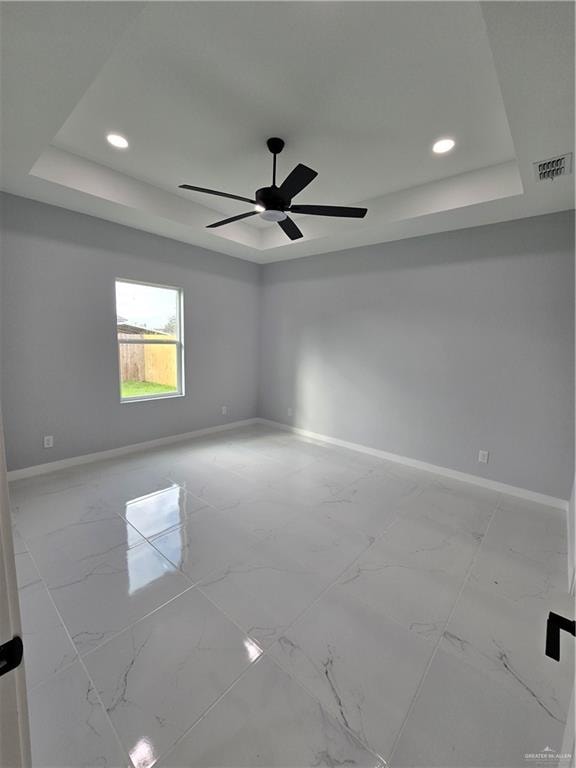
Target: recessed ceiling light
(117,141)
(443,145)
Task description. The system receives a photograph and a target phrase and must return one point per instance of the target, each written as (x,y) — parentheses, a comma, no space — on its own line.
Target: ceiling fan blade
(295,182)
(230,220)
(290,228)
(330,210)
(215,192)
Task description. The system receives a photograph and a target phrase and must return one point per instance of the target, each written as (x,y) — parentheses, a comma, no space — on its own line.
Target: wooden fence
(155,363)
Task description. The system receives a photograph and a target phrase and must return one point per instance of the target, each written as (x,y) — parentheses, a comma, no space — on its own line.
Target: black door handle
(11,654)
(553,626)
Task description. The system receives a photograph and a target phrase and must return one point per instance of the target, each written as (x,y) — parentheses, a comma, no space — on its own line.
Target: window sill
(148,398)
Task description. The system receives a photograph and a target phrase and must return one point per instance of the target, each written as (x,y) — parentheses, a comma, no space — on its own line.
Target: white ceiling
(359,91)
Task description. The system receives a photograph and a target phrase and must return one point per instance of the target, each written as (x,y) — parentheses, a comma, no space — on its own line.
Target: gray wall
(433,348)
(430,348)
(60,366)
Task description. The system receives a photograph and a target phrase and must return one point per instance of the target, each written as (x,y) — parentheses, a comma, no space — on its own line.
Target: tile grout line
(191,584)
(380,537)
(390,618)
(79,657)
(295,680)
(201,716)
(324,706)
(441,635)
(244,672)
(106,714)
(303,613)
(269,536)
(82,665)
(30,688)
(338,576)
(265,653)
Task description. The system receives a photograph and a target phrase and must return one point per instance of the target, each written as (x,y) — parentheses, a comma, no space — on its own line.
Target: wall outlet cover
(483,457)
(48,441)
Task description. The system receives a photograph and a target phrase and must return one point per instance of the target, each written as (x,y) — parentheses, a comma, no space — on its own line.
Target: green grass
(144,388)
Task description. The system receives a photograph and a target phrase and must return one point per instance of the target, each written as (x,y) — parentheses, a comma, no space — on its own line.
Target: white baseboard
(454,474)
(52,466)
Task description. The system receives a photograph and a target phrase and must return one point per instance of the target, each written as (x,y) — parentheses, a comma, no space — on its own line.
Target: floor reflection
(150,515)
(157,512)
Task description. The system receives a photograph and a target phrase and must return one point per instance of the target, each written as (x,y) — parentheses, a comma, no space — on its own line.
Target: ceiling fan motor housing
(271,199)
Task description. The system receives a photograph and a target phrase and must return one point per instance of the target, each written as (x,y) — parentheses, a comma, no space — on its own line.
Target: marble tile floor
(254,598)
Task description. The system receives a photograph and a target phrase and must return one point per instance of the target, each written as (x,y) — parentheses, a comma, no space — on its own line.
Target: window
(150,349)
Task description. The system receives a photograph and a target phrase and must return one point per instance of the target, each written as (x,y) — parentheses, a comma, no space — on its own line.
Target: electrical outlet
(483,457)
(48,441)
(224,410)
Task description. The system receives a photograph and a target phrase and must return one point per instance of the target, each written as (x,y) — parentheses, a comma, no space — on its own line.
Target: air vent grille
(548,170)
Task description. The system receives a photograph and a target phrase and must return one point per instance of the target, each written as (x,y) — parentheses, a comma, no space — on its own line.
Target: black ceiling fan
(272,203)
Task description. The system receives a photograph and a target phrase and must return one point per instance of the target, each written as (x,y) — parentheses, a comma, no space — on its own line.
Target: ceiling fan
(272,203)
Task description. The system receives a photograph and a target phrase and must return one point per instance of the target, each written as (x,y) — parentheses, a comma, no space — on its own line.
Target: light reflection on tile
(142,754)
(161,510)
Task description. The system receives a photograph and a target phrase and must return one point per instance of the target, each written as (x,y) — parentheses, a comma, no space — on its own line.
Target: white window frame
(178,343)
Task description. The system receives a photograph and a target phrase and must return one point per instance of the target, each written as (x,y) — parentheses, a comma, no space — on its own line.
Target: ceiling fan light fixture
(259,208)
(273,215)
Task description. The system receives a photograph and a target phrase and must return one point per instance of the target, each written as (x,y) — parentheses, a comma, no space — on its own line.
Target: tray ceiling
(359,91)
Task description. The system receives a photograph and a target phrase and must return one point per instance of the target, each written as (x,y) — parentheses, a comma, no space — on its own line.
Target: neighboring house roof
(137,330)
